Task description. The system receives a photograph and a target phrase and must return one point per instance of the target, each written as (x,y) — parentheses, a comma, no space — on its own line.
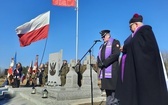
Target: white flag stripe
(34,24)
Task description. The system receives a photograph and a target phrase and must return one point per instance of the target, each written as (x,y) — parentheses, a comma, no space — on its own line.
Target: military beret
(136,18)
(104,32)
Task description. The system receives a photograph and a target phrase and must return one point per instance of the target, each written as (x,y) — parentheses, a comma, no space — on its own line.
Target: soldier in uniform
(45,74)
(40,74)
(34,78)
(63,71)
(28,77)
(78,70)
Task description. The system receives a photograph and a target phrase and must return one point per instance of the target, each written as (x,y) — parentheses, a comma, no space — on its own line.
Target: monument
(54,65)
(71,77)
(71,90)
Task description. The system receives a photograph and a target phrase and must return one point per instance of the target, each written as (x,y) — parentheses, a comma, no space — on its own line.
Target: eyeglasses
(103,37)
(131,25)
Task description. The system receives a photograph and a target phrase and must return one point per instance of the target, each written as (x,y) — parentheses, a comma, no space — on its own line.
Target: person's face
(106,37)
(64,62)
(18,65)
(133,27)
(78,61)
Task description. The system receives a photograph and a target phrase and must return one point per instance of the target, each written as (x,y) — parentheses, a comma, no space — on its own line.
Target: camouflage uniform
(80,69)
(64,70)
(34,79)
(41,74)
(28,77)
(45,75)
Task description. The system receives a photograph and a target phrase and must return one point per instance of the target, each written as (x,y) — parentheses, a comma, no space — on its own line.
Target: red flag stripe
(34,30)
(33,36)
(64,2)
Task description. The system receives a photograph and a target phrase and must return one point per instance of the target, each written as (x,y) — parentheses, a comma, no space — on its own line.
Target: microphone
(97,40)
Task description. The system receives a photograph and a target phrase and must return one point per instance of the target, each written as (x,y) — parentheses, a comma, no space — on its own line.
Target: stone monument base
(63,93)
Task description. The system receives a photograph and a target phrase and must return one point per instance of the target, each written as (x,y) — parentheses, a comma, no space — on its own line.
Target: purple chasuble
(107,71)
(124,57)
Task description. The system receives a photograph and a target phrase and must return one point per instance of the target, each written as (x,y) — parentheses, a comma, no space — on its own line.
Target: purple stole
(108,51)
(124,58)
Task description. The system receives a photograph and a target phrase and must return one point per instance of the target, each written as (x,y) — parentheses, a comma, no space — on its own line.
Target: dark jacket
(113,59)
(143,80)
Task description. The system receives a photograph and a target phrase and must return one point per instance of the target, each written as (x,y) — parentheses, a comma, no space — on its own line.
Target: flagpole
(76,30)
(43,51)
(15,61)
(77,47)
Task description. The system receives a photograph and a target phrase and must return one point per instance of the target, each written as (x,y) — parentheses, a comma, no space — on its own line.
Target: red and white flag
(12,65)
(34,30)
(30,67)
(35,67)
(67,3)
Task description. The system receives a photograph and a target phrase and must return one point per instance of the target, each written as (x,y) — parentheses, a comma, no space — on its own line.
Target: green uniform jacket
(64,70)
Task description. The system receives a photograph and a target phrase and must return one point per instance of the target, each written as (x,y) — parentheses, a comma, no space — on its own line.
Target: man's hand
(101,65)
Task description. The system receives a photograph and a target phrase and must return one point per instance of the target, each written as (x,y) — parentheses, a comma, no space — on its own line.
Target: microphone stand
(89,51)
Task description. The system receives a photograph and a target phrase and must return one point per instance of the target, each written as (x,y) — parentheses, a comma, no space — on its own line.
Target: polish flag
(10,71)
(34,30)
(67,3)
(30,67)
(35,68)
(12,64)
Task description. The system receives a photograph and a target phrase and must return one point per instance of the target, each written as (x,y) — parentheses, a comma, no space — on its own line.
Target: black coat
(143,82)
(113,59)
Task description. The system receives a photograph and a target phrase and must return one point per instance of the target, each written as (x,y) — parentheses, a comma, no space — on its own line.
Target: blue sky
(94,16)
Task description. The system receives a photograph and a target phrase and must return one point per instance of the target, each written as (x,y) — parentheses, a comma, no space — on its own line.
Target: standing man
(34,78)
(17,75)
(108,60)
(78,71)
(141,80)
(40,75)
(63,71)
(45,74)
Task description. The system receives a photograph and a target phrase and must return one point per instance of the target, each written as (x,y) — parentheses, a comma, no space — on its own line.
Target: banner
(34,30)
(67,3)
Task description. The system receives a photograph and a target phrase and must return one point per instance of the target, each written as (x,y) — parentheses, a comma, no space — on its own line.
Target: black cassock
(143,81)
(110,83)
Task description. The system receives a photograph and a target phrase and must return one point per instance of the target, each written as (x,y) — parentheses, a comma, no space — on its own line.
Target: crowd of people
(14,76)
(135,79)
(36,77)
(79,69)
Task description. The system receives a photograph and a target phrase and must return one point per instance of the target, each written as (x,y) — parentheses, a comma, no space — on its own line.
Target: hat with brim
(104,32)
